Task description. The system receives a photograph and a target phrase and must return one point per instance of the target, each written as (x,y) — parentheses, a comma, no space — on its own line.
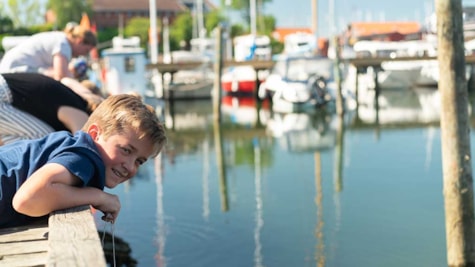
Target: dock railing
(70,238)
(73,239)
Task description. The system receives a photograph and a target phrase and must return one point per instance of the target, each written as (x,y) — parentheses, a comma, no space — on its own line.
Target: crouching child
(64,170)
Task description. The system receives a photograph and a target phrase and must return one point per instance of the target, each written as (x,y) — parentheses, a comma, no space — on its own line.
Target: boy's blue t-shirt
(19,160)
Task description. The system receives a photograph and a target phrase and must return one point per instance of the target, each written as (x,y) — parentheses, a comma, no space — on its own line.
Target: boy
(63,170)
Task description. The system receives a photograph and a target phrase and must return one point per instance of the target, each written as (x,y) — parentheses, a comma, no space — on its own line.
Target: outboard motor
(318,88)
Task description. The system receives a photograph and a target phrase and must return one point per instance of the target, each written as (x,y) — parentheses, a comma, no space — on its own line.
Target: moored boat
(242,79)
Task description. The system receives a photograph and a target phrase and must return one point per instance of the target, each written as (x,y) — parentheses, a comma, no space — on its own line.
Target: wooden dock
(174,67)
(365,62)
(69,238)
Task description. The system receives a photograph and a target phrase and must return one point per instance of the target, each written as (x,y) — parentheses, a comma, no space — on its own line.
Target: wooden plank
(23,247)
(174,67)
(74,240)
(32,259)
(23,233)
(376,61)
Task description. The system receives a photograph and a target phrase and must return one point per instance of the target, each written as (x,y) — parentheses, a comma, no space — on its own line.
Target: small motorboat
(298,83)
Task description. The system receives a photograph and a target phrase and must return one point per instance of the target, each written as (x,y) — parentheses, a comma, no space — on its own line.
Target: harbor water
(297,189)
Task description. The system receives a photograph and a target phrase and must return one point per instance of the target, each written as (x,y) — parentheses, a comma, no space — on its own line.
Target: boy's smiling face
(122,154)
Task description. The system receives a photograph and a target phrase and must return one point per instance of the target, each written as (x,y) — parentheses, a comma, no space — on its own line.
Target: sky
(297,13)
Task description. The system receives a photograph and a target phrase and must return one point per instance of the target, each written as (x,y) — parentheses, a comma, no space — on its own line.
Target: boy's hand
(110,206)
(108,217)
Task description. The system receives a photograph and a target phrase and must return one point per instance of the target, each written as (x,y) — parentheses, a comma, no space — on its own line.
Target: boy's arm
(53,187)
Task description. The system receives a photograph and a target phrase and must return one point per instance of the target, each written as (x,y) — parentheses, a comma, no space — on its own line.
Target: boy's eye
(140,161)
(126,150)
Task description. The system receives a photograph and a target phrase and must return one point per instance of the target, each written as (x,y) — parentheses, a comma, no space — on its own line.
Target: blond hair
(118,113)
(77,31)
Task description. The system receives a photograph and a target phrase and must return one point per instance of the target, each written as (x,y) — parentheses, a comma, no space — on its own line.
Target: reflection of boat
(420,105)
(298,83)
(242,110)
(242,79)
(301,132)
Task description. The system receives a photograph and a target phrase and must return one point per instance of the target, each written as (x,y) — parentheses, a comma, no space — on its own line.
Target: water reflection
(291,189)
(399,107)
(250,138)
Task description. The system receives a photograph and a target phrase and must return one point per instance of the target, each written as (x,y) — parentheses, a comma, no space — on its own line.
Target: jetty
(68,238)
(365,62)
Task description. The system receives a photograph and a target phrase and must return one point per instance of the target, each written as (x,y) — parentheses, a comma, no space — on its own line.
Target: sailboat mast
(315,17)
(253,15)
(153,31)
(200,19)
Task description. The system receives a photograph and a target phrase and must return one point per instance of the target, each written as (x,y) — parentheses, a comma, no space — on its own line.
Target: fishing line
(113,239)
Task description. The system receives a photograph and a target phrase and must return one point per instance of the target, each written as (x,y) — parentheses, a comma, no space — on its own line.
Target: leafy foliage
(138,27)
(181,30)
(25,12)
(66,11)
(243,6)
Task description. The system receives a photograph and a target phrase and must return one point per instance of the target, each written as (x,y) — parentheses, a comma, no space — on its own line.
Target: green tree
(213,19)
(25,13)
(181,30)
(243,6)
(67,11)
(6,25)
(138,27)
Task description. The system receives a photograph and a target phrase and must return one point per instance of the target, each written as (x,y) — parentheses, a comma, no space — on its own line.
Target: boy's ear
(94,131)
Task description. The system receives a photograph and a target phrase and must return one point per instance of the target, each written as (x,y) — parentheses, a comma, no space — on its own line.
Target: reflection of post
(340,134)
(170,114)
(377,91)
(357,91)
(205,179)
(259,219)
(430,139)
(218,143)
(455,130)
(160,258)
(320,247)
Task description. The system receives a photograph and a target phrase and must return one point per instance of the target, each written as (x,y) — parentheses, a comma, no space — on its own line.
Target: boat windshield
(300,70)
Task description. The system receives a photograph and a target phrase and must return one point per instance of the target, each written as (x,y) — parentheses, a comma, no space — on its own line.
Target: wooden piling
(455,130)
(218,66)
(337,73)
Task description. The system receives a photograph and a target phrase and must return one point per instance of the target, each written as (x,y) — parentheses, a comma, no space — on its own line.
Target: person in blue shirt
(64,170)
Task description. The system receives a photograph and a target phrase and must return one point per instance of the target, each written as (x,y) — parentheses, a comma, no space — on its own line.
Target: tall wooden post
(337,74)
(218,140)
(454,124)
(218,66)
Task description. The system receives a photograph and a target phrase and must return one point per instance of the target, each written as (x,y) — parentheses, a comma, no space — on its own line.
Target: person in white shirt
(49,53)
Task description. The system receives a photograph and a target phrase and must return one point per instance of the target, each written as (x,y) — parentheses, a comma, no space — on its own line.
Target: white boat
(242,79)
(400,74)
(300,44)
(8,42)
(298,83)
(394,74)
(124,67)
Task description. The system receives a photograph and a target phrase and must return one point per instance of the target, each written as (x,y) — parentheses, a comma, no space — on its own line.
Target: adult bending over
(49,53)
(33,105)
